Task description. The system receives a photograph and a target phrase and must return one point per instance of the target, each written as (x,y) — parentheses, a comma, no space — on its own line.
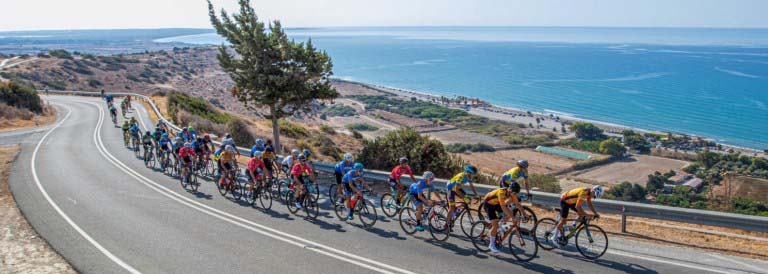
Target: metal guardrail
(684,215)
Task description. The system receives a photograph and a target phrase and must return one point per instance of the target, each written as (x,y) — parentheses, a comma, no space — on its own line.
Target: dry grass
(633,170)
(162,104)
(21,249)
(753,188)
(348,89)
(500,161)
(47,118)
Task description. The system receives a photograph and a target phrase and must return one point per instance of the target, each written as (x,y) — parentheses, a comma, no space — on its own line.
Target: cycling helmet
(348,157)
(228,135)
(188,145)
(257,154)
(302,157)
(403,160)
(207,136)
(358,167)
(165,135)
(470,169)
(260,142)
(598,190)
(157,128)
(230,148)
(149,132)
(522,163)
(178,139)
(190,128)
(514,187)
(270,149)
(428,175)
(295,152)
(306,152)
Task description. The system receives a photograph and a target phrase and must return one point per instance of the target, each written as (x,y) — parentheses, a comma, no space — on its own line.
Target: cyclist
(216,156)
(308,154)
(192,133)
(146,140)
(500,201)
(128,101)
(184,134)
(134,131)
(298,172)
(340,170)
(197,145)
(419,198)
(289,161)
(572,200)
(164,146)
(187,156)
(113,112)
(269,158)
(257,146)
(126,126)
(177,145)
(156,135)
(398,189)
(229,141)
(512,175)
(133,121)
(161,124)
(255,168)
(108,97)
(228,160)
(453,189)
(348,183)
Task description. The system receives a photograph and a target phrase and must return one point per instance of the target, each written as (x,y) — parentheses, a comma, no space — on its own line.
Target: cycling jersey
(134,129)
(398,172)
(157,135)
(499,196)
(217,155)
(163,142)
(351,176)
(186,152)
(300,169)
(126,127)
(343,167)
(197,146)
(256,148)
(146,139)
(269,152)
(228,141)
(288,161)
(227,156)
(419,187)
(512,175)
(458,181)
(575,195)
(256,165)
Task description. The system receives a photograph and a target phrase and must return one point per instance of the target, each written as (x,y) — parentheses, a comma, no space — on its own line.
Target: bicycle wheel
(193,184)
(265,198)
(522,244)
(366,212)
(249,193)
(466,219)
(479,235)
(310,206)
(290,201)
(223,188)
(332,193)
(408,221)
(183,182)
(237,188)
(341,210)
(591,241)
(283,187)
(388,205)
(313,190)
(438,223)
(526,224)
(542,231)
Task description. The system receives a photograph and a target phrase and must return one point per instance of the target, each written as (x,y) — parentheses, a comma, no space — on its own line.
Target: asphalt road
(98,206)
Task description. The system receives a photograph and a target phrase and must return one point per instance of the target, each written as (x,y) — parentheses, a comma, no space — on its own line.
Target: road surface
(98,206)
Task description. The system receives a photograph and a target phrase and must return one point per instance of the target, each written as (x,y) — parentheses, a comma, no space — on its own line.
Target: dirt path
(21,249)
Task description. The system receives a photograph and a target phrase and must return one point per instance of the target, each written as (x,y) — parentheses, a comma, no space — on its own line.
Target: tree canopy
(587,131)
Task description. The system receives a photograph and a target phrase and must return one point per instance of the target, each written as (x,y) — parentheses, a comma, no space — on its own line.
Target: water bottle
(502,228)
(573,226)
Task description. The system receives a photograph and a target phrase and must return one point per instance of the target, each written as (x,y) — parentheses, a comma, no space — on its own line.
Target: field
(753,188)
(633,170)
(500,161)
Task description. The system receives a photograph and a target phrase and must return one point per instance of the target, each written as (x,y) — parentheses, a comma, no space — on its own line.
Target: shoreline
(510,113)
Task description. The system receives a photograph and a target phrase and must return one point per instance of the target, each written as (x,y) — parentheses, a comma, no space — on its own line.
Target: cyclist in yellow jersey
(454,189)
(514,174)
(572,200)
(498,201)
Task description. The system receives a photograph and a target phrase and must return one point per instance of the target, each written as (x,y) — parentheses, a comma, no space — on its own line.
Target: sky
(121,14)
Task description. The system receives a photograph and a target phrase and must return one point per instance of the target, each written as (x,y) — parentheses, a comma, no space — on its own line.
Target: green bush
(240,133)
(327,129)
(612,147)
(60,53)
(292,130)
(340,110)
(547,183)
(362,127)
(20,96)
(589,146)
(196,106)
(587,131)
(424,153)
(627,191)
(461,148)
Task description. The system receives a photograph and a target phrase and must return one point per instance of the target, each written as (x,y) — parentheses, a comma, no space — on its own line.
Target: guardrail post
(623,220)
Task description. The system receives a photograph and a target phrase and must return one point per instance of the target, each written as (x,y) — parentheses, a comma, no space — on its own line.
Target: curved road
(98,206)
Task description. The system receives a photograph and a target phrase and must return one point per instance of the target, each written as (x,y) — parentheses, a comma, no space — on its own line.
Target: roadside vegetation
(339,110)
(462,148)
(362,127)
(204,117)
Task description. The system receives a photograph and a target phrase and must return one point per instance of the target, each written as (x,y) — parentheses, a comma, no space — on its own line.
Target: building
(694,183)
(680,177)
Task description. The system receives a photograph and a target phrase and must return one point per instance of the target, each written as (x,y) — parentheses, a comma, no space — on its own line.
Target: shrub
(612,147)
(356,134)
(587,131)
(240,133)
(94,83)
(20,96)
(461,148)
(132,78)
(60,53)
(547,183)
(292,130)
(197,106)
(362,127)
(327,129)
(10,113)
(627,191)
(340,110)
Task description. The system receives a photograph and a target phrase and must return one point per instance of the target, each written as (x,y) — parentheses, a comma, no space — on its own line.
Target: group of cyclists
(188,148)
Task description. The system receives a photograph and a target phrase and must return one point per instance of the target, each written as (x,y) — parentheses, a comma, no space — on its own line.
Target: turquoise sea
(707,82)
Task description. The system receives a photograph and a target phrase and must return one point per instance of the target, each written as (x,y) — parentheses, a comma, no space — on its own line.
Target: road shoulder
(22,250)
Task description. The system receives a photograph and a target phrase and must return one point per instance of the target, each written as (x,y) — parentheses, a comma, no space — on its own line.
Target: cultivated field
(500,161)
(633,170)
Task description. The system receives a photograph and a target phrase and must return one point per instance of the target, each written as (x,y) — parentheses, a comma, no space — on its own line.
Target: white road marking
(760,270)
(239,221)
(72,200)
(638,256)
(77,228)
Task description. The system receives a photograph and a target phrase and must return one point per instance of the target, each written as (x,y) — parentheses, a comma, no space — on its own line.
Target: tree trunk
(275,129)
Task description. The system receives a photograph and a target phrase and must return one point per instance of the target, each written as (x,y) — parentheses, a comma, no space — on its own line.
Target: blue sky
(105,14)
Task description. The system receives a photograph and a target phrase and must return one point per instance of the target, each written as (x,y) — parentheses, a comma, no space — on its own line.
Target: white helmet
(348,157)
(257,154)
(598,190)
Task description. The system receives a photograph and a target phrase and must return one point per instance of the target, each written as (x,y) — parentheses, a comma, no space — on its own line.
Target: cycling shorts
(227,165)
(415,199)
(565,207)
(493,211)
(451,196)
(187,159)
(394,185)
(338,177)
(347,189)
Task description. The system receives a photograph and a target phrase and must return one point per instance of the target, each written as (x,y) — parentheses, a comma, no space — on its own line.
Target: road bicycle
(114,118)
(465,215)
(149,157)
(260,190)
(308,201)
(433,217)
(591,240)
(364,209)
(521,242)
(312,187)
(126,139)
(390,206)
(204,165)
(135,144)
(166,163)
(189,180)
(230,185)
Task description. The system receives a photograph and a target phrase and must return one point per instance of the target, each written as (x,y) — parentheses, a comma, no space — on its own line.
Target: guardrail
(684,215)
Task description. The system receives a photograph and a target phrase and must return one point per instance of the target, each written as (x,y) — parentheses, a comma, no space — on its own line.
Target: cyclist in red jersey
(398,189)
(299,171)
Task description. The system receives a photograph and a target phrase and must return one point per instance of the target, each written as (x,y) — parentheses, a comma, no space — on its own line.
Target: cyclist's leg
(338,176)
(347,198)
(419,209)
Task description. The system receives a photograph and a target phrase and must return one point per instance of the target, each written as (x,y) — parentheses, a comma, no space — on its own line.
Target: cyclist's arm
(592,207)
(527,187)
(505,207)
(472,187)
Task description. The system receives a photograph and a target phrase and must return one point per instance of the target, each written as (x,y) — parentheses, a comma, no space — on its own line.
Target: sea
(707,82)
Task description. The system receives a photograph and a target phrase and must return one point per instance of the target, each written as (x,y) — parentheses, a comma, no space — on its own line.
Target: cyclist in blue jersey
(164,146)
(342,168)
(258,146)
(348,181)
(419,197)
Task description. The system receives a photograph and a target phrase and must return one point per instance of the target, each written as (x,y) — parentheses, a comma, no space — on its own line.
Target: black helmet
(522,163)
(514,187)
(403,160)
(302,157)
